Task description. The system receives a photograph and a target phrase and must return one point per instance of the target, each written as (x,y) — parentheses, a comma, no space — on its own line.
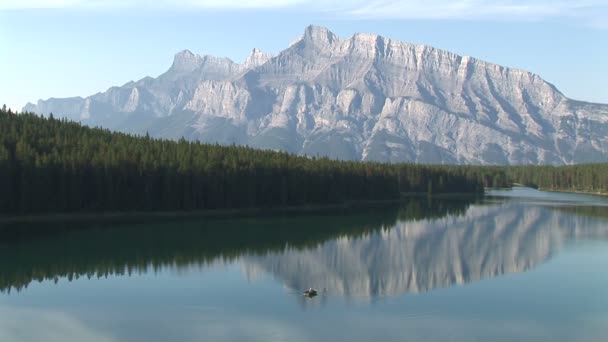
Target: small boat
(310,292)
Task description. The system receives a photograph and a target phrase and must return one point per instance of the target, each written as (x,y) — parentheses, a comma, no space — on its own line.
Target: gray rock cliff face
(362,98)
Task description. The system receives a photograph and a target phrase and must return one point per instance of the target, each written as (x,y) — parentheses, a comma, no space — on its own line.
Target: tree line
(591,178)
(49,165)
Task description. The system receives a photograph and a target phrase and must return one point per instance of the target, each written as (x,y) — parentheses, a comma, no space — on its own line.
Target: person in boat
(310,292)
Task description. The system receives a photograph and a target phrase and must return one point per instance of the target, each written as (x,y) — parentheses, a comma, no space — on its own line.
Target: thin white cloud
(27,4)
(480,9)
(32,325)
(186,4)
(591,12)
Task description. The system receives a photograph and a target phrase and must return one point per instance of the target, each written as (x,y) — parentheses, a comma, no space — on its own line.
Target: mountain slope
(363,98)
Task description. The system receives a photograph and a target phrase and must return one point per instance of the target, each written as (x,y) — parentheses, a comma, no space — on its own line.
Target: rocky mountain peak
(186,61)
(362,98)
(256,58)
(320,36)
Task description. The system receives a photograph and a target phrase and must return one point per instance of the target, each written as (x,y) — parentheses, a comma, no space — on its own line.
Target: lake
(520,265)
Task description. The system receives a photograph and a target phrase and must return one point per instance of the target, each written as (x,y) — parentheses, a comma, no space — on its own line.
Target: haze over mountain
(362,98)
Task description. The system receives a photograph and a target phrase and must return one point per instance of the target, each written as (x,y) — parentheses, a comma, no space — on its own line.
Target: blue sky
(61,48)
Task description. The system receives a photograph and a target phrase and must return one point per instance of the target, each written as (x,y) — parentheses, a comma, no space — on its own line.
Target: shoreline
(176,214)
(217,213)
(578,192)
(243,212)
(599,193)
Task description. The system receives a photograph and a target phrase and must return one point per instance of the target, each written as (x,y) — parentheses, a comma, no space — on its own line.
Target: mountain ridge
(366,97)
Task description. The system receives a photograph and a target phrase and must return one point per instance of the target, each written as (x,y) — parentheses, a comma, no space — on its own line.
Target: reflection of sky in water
(558,301)
(561,296)
(533,196)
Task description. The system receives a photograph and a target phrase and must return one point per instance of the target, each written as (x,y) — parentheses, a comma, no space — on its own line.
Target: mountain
(362,98)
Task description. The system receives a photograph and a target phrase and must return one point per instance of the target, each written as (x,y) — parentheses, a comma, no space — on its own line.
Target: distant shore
(207,213)
(243,212)
(597,193)
(577,192)
(216,213)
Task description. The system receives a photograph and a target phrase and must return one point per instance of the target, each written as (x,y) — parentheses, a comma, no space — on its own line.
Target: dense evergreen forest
(49,165)
(586,178)
(590,178)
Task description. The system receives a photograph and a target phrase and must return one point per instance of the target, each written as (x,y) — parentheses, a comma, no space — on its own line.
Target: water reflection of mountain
(366,252)
(42,252)
(415,256)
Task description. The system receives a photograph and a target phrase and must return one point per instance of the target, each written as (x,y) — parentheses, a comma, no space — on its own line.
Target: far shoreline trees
(56,166)
(52,166)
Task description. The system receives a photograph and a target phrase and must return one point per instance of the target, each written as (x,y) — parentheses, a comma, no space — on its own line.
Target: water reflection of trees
(49,252)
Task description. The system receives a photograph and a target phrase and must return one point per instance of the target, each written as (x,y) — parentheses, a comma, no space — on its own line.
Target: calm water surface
(518,265)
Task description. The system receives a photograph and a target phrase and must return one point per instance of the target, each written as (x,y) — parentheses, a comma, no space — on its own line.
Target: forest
(51,166)
(587,178)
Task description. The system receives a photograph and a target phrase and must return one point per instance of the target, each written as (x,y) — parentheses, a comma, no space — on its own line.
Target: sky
(63,48)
